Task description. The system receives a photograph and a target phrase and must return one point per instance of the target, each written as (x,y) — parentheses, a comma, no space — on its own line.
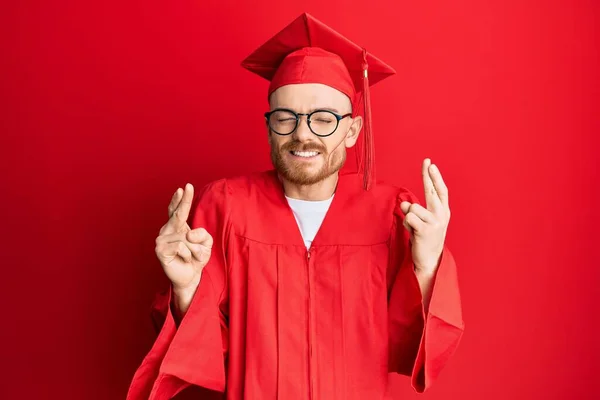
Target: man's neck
(319,191)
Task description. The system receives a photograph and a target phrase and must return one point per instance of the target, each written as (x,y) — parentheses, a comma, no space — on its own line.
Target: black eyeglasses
(320,122)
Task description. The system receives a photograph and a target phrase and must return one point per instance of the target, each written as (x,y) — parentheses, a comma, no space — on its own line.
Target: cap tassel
(369,150)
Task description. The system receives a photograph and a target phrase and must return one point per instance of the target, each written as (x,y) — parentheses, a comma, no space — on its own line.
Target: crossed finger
(436,191)
(440,186)
(432,200)
(175,200)
(179,209)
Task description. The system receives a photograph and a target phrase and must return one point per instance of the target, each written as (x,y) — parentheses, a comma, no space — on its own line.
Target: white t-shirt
(309,216)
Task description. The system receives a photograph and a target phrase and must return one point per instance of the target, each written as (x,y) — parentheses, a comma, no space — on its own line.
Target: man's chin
(302,175)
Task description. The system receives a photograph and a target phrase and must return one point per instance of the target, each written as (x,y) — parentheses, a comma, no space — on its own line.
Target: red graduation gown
(273,320)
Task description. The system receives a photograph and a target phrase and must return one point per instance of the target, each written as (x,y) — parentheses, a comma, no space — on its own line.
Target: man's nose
(302,132)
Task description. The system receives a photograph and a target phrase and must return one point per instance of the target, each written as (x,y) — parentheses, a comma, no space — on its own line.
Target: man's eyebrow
(327,109)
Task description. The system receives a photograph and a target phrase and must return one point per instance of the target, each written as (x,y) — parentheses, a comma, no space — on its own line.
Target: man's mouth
(305,154)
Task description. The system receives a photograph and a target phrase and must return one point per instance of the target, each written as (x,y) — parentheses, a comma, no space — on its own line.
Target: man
(304,283)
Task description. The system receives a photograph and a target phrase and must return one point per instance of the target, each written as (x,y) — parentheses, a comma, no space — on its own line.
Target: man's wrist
(182,296)
(425,272)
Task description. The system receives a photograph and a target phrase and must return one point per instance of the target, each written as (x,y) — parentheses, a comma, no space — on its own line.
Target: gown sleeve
(194,351)
(420,343)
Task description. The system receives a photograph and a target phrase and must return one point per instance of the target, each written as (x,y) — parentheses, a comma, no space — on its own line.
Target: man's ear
(354,131)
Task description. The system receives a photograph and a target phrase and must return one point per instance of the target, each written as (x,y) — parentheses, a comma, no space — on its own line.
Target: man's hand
(428,226)
(183,252)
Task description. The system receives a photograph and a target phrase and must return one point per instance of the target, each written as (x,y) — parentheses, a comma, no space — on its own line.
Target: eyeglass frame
(338,118)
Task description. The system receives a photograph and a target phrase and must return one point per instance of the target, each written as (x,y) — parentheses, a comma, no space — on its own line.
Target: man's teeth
(305,153)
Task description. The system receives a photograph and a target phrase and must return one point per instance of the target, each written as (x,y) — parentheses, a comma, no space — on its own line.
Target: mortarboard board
(308,51)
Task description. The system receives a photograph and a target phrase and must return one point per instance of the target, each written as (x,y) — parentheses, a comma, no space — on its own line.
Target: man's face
(302,157)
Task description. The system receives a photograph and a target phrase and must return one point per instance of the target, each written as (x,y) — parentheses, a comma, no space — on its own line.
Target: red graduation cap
(308,51)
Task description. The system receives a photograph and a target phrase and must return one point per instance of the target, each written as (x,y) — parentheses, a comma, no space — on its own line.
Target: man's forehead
(309,95)
(309,109)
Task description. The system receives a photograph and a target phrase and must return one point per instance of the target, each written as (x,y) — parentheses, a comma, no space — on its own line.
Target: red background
(108,107)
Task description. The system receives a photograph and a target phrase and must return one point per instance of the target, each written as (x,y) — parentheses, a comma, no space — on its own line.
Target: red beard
(299,174)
